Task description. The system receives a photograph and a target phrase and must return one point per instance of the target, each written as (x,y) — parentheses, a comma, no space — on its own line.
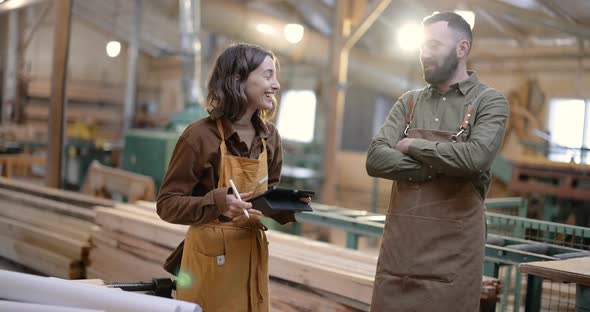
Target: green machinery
(148,151)
(512,239)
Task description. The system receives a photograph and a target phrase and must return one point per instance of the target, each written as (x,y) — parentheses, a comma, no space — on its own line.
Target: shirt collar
(466,85)
(463,86)
(259,126)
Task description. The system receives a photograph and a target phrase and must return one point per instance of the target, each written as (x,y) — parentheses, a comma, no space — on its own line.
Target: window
(569,127)
(297,115)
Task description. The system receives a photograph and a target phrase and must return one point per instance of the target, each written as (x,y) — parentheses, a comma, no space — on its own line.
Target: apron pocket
(206,240)
(422,248)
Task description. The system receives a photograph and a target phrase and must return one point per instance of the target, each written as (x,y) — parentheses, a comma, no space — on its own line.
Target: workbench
(575,270)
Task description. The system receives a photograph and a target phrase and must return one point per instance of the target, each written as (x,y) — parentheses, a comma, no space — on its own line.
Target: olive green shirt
(426,160)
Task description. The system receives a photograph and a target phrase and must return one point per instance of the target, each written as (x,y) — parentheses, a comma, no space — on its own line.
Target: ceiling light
(113,48)
(265,29)
(293,33)
(410,36)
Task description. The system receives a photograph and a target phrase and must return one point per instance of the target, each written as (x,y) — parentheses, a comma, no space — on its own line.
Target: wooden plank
(40,259)
(278,238)
(83,91)
(64,225)
(138,210)
(148,206)
(69,197)
(48,205)
(101,179)
(67,246)
(101,116)
(156,231)
(138,247)
(575,270)
(346,273)
(291,298)
(127,267)
(356,287)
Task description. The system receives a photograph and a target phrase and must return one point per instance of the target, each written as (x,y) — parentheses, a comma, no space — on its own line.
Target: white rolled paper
(11,306)
(54,291)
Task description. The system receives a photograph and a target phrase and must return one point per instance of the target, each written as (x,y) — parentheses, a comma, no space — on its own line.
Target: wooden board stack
(133,242)
(49,231)
(44,229)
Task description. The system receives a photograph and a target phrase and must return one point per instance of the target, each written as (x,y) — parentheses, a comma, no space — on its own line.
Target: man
(437,144)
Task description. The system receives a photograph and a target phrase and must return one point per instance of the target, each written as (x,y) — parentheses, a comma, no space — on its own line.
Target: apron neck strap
(220,129)
(471,108)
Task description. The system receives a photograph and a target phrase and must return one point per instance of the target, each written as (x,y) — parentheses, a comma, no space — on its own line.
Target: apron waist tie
(256,278)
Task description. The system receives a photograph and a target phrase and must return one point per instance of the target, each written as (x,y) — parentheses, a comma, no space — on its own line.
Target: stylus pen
(233,187)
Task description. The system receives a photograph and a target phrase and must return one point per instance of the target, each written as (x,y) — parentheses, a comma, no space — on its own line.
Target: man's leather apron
(431,258)
(227,263)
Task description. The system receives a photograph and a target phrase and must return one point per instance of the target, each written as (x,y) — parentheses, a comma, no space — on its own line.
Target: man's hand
(404,145)
(236,206)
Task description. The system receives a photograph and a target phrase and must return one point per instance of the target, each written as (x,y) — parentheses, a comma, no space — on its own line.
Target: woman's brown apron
(431,258)
(227,263)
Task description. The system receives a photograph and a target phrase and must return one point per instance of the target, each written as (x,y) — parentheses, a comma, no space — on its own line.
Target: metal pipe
(133,51)
(190,27)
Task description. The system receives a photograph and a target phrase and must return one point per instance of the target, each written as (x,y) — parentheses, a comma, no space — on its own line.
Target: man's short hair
(454,20)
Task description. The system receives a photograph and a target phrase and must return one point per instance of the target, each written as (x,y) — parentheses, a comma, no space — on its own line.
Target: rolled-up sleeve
(383,160)
(477,153)
(175,203)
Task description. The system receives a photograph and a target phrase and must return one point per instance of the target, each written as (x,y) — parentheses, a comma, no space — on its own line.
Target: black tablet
(279,199)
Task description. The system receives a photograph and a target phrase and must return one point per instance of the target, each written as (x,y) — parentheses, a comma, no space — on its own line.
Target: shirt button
(409,179)
(429,177)
(444,98)
(430,166)
(436,119)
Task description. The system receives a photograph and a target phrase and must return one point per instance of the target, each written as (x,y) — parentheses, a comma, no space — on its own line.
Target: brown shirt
(189,193)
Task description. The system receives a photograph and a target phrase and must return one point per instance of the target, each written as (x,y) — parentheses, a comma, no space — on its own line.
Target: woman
(225,260)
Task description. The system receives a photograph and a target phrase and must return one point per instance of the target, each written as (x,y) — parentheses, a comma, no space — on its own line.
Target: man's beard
(444,72)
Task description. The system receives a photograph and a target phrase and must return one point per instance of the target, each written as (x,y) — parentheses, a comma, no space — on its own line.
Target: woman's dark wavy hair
(226,95)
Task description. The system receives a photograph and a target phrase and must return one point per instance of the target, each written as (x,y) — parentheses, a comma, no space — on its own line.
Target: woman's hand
(236,207)
(306,199)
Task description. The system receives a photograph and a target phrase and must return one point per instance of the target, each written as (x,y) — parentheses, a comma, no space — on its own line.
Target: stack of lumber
(72,198)
(98,102)
(44,229)
(133,242)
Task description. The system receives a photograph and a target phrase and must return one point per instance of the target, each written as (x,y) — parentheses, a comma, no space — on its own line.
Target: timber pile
(72,198)
(98,102)
(44,229)
(133,242)
(51,231)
